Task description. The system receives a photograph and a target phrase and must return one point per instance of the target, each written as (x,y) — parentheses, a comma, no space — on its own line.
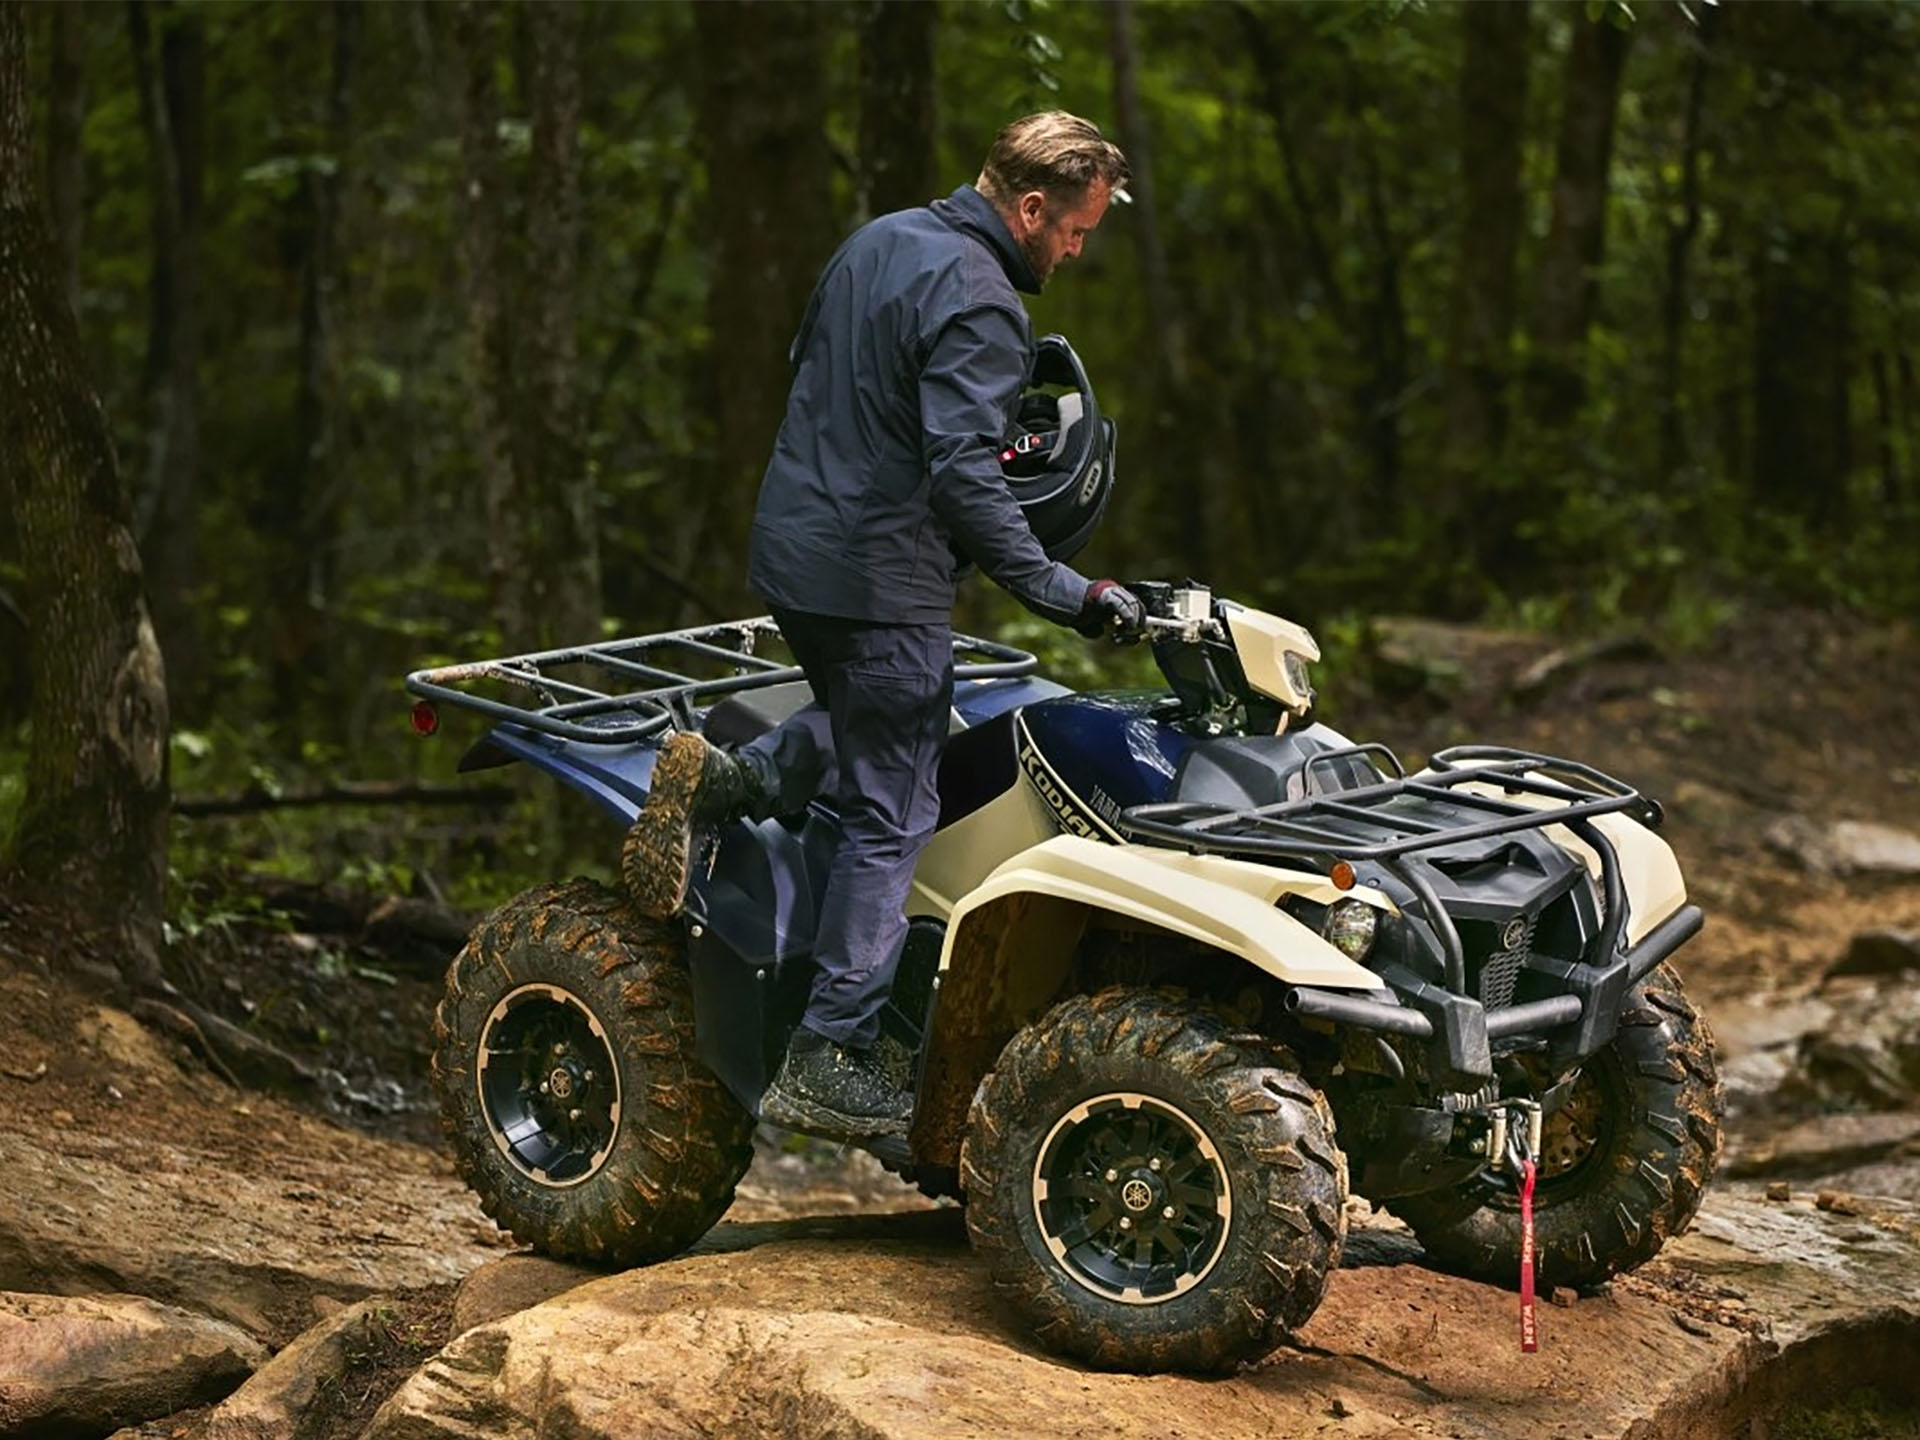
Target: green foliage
(1285,438)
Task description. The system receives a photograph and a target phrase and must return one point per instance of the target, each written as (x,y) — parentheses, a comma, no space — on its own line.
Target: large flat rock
(885,1326)
(170,1185)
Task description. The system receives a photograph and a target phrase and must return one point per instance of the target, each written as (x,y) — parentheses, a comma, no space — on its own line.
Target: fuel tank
(1092,756)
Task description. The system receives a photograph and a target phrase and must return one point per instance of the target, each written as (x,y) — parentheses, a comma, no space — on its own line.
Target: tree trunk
(1493,109)
(1800,363)
(490,378)
(66,120)
(1269,60)
(92,835)
(563,489)
(1168,410)
(1567,285)
(1382,393)
(762,112)
(1885,428)
(1675,301)
(172,106)
(300,515)
(897,164)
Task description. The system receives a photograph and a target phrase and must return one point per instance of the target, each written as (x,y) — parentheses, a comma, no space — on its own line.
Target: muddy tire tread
(1275,1131)
(684,1141)
(1623,1218)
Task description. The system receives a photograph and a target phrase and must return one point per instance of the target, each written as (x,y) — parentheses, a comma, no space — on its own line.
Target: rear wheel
(1623,1164)
(569,1086)
(1150,1190)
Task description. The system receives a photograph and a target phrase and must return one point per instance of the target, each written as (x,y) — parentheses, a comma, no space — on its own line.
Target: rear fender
(1010,944)
(614,777)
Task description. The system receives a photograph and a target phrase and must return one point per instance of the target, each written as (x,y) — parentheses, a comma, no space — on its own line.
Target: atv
(1184,968)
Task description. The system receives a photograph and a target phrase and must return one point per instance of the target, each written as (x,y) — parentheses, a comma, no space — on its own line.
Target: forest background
(431,331)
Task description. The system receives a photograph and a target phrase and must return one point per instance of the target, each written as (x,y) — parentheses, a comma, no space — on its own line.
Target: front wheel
(1624,1160)
(569,1086)
(1151,1191)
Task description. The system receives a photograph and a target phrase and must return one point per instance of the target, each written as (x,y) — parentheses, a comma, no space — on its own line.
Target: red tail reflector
(426,719)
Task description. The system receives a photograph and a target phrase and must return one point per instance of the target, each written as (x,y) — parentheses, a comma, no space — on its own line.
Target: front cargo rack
(1375,829)
(1373,823)
(617,692)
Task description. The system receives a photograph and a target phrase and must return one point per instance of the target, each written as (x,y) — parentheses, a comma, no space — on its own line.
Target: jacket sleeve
(968,387)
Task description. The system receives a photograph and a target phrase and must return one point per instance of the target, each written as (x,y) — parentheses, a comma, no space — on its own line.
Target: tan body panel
(1649,874)
(1228,904)
(1010,945)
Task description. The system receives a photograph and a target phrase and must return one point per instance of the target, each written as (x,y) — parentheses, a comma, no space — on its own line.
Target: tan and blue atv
(1183,966)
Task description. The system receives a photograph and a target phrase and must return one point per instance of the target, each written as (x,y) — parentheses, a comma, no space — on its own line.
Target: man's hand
(1111,609)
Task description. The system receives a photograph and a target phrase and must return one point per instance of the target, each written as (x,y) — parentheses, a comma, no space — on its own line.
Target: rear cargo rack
(620,691)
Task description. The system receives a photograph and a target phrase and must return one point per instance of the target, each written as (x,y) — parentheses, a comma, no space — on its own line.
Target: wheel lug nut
(1167,1213)
(1154,1164)
(545,1089)
(1112,1175)
(1126,1222)
(587,1077)
(575,1114)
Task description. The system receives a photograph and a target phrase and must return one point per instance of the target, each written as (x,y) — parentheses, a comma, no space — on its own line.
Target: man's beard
(1034,247)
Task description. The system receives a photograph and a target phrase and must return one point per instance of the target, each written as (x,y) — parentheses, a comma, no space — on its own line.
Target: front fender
(1230,905)
(1010,944)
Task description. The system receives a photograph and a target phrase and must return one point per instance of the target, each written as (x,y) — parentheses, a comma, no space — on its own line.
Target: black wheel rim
(548,1086)
(1132,1198)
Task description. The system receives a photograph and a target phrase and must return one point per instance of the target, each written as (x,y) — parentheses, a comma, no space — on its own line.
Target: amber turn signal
(1342,875)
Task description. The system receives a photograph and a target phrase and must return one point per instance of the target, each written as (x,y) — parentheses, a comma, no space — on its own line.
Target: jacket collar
(967,210)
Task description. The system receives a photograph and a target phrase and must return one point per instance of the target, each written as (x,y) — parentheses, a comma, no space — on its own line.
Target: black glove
(1111,609)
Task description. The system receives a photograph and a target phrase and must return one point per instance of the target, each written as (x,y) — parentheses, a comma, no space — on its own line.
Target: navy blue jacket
(907,368)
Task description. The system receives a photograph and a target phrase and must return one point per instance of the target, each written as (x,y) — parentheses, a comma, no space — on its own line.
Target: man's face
(1049,232)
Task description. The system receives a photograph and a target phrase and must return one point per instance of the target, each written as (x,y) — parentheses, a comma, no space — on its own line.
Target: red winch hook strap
(1529,1329)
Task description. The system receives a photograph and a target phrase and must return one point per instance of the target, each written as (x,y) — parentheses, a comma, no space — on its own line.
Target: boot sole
(794,1113)
(656,862)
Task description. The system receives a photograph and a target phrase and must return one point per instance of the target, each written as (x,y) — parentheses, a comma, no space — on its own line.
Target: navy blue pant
(883,698)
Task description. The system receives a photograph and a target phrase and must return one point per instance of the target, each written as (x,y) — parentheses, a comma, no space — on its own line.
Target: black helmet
(1059,459)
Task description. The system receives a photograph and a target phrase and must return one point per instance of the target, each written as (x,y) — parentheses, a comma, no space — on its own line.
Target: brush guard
(1373,825)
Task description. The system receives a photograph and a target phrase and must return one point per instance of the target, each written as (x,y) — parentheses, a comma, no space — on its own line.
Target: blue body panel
(617,777)
(1109,749)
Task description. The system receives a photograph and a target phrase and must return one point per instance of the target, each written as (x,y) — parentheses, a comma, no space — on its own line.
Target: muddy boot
(835,1091)
(697,787)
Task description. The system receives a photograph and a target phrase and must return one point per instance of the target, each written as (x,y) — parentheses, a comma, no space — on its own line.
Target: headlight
(1295,665)
(1350,927)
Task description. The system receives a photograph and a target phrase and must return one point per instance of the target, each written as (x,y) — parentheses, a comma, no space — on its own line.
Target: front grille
(1494,965)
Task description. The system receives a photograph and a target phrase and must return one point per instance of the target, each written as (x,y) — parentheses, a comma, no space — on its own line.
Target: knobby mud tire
(681,1142)
(1656,1091)
(1273,1134)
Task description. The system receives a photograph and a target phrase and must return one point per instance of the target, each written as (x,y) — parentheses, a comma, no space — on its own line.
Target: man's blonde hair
(1053,152)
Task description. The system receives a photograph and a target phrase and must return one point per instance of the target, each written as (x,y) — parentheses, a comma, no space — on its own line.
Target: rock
(239,1207)
(1779,1190)
(1866,847)
(269,1405)
(1846,847)
(1868,1053)
(885,1327)
(84,1365)
(1879,952)
(1839,1202)
(1829,1143)
(511,1284)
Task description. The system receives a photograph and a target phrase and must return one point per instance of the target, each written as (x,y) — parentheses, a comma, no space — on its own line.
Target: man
(913,353)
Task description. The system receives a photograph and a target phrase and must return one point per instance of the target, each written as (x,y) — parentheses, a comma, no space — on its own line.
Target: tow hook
(1513,1135)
